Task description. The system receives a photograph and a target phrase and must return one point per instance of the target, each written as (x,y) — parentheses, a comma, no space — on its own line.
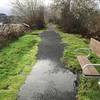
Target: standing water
(49,80)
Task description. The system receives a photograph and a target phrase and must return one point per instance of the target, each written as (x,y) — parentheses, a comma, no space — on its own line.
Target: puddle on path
(49,80)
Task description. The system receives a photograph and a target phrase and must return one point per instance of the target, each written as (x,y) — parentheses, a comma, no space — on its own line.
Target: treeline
(78,16)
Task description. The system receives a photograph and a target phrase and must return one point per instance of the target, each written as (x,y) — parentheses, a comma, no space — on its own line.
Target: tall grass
(16,61)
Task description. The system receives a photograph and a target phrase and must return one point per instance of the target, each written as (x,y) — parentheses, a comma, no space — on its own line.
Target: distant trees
(84,12)
(30,12)
(64,13)
(78,16)
(4,18)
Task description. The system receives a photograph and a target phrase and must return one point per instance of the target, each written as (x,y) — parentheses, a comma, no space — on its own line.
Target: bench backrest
(95,46)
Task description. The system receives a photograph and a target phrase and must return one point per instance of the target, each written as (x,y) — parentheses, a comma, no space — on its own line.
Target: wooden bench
(87,67)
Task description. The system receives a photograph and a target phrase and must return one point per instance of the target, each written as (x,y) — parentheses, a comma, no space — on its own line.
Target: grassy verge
(88,88)
(16,61)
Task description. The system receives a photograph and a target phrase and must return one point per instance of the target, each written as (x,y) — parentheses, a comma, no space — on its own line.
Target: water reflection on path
(49,80)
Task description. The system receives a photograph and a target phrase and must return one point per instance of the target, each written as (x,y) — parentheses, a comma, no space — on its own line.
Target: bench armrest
(85,49)
(90,65)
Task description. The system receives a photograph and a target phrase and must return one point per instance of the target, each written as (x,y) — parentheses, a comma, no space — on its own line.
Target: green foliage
(16,61)
(88,87)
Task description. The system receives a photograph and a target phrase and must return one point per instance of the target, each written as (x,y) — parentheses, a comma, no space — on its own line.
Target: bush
(11,32)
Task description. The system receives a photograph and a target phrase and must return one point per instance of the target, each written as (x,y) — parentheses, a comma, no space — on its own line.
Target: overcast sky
(5,6)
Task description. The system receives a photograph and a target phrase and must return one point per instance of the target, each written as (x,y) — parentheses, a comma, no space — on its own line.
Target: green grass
(88,88)
(16,61)
(72,43)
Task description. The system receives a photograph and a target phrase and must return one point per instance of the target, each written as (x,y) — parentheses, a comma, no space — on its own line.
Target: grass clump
(16,61)
(72,43)
(88,88)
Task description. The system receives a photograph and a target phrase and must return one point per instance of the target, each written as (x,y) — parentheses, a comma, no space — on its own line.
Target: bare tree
(63,7)
(29,11)
(76,15)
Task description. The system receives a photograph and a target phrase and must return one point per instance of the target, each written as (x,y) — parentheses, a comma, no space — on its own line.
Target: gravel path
(49,80)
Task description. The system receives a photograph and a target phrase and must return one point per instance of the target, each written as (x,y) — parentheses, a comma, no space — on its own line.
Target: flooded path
(49,80)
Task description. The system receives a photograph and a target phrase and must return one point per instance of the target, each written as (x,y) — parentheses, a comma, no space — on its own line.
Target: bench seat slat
(89,70)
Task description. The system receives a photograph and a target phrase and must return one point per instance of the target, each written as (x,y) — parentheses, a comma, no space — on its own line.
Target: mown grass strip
(16,61)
